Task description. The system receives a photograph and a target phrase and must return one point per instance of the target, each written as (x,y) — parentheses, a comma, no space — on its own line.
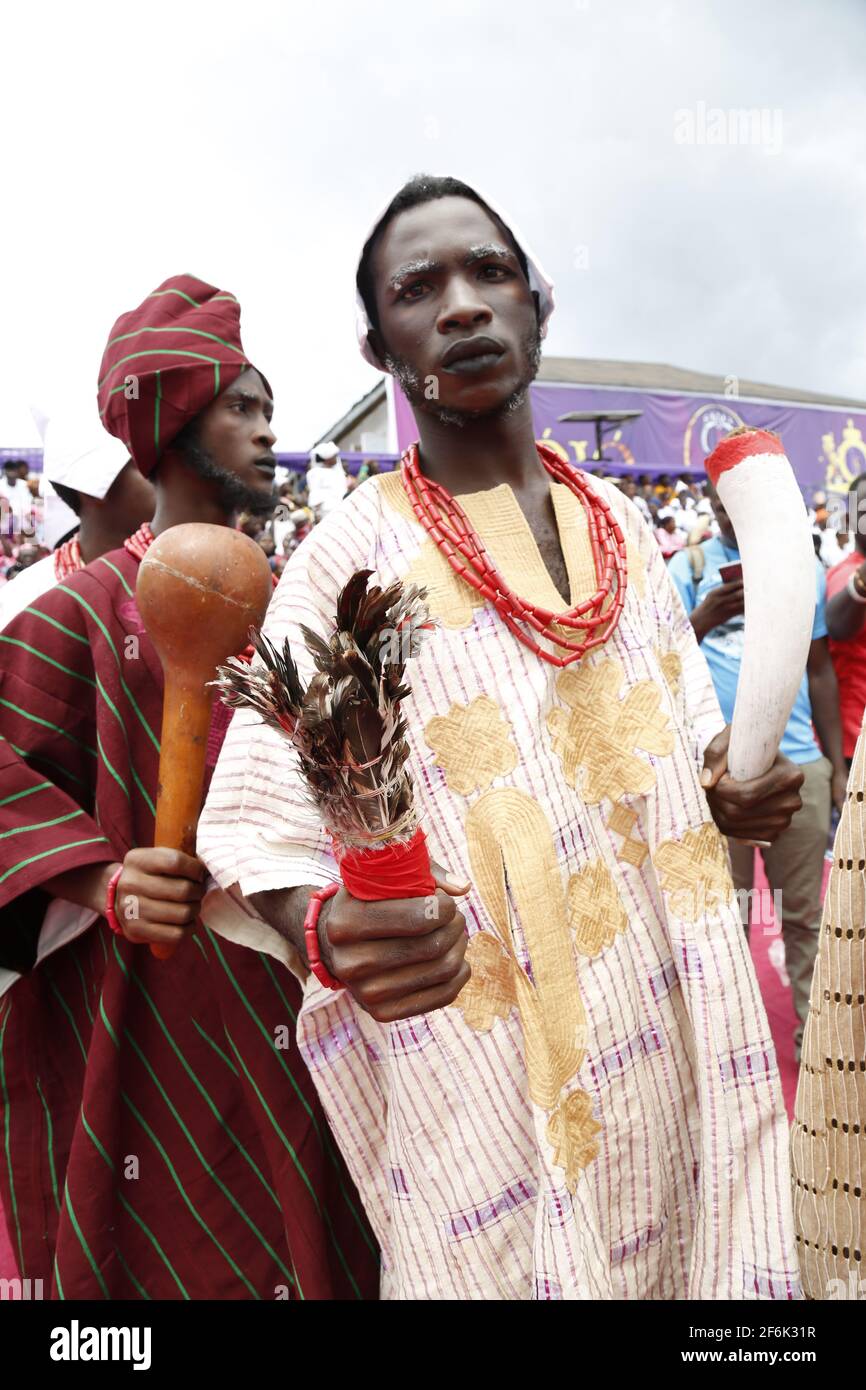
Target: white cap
(538,282)
(323,452)
(704,507)
(78,453)
(665,513)
(680,486)
(58,519)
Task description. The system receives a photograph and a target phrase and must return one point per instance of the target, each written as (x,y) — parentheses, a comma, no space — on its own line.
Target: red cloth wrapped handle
(398,871)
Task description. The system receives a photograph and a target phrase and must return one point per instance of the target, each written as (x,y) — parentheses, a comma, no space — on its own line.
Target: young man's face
(458,322)
(232,444)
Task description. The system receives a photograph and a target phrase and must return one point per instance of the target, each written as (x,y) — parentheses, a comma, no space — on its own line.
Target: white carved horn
(756,485)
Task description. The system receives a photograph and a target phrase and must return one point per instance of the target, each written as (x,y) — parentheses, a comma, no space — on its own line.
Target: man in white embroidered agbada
(595,1111)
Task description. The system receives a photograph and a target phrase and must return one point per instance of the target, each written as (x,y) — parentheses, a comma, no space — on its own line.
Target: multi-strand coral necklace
(449,527)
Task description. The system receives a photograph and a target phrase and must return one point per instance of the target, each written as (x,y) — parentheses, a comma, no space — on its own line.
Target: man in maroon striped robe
(159,1134)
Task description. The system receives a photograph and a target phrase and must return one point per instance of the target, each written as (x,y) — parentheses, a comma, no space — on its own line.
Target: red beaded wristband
(110,895)
(311,936)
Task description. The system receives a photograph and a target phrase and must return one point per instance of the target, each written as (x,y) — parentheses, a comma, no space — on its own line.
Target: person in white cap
(94,498)
(580,1101)
(326,479)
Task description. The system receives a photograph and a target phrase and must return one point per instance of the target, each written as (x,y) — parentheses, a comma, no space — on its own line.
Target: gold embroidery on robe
(472,744)
(597,733)
(672,669)
(576,549)
(622,821)
(507,832)
(572,1131)
(392,491)
(595,912)
(449,598)
(490,993)
(497,517)
(577,552)
(694,872)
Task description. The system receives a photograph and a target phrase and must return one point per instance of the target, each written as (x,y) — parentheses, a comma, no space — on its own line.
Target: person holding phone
(709,578)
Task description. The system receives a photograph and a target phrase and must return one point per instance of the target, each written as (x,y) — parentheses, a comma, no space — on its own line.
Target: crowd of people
(677,508)
(545,1071)
(39,513)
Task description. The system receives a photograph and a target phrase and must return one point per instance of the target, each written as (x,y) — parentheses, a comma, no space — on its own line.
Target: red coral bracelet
(311,936)
(110,895)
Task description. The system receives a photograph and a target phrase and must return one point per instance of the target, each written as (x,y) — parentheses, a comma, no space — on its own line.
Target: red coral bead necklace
(449,527)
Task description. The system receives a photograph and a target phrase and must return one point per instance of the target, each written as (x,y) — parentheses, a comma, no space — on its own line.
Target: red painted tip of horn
(735,448)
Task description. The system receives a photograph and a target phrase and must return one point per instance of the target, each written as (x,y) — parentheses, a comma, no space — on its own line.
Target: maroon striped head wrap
(164,362)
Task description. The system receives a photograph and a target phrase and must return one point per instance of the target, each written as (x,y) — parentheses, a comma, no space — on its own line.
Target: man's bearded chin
(234,495)
(415,390)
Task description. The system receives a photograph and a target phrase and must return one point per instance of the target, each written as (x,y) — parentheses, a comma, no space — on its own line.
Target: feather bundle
(347,726)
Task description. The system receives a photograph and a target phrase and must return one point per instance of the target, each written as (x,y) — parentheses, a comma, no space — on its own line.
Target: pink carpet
(768,955)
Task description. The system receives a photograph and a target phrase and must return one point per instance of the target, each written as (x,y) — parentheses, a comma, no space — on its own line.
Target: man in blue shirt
(794,863)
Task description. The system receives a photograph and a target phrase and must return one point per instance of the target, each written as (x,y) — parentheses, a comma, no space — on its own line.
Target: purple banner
(32,457)
(674,433)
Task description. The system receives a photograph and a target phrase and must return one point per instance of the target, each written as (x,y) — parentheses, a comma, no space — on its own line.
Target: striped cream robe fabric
(599,1114)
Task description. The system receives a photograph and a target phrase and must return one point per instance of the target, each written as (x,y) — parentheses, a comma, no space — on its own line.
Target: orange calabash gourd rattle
(200,589)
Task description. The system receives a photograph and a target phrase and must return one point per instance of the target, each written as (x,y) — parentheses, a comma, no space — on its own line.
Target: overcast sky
(252,145)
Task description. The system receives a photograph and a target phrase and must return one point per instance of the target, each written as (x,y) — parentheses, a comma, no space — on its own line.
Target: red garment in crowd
(849,660)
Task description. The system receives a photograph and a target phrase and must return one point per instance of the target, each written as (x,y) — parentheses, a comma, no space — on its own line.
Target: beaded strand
(139,544)
(449,527)
(67,559)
